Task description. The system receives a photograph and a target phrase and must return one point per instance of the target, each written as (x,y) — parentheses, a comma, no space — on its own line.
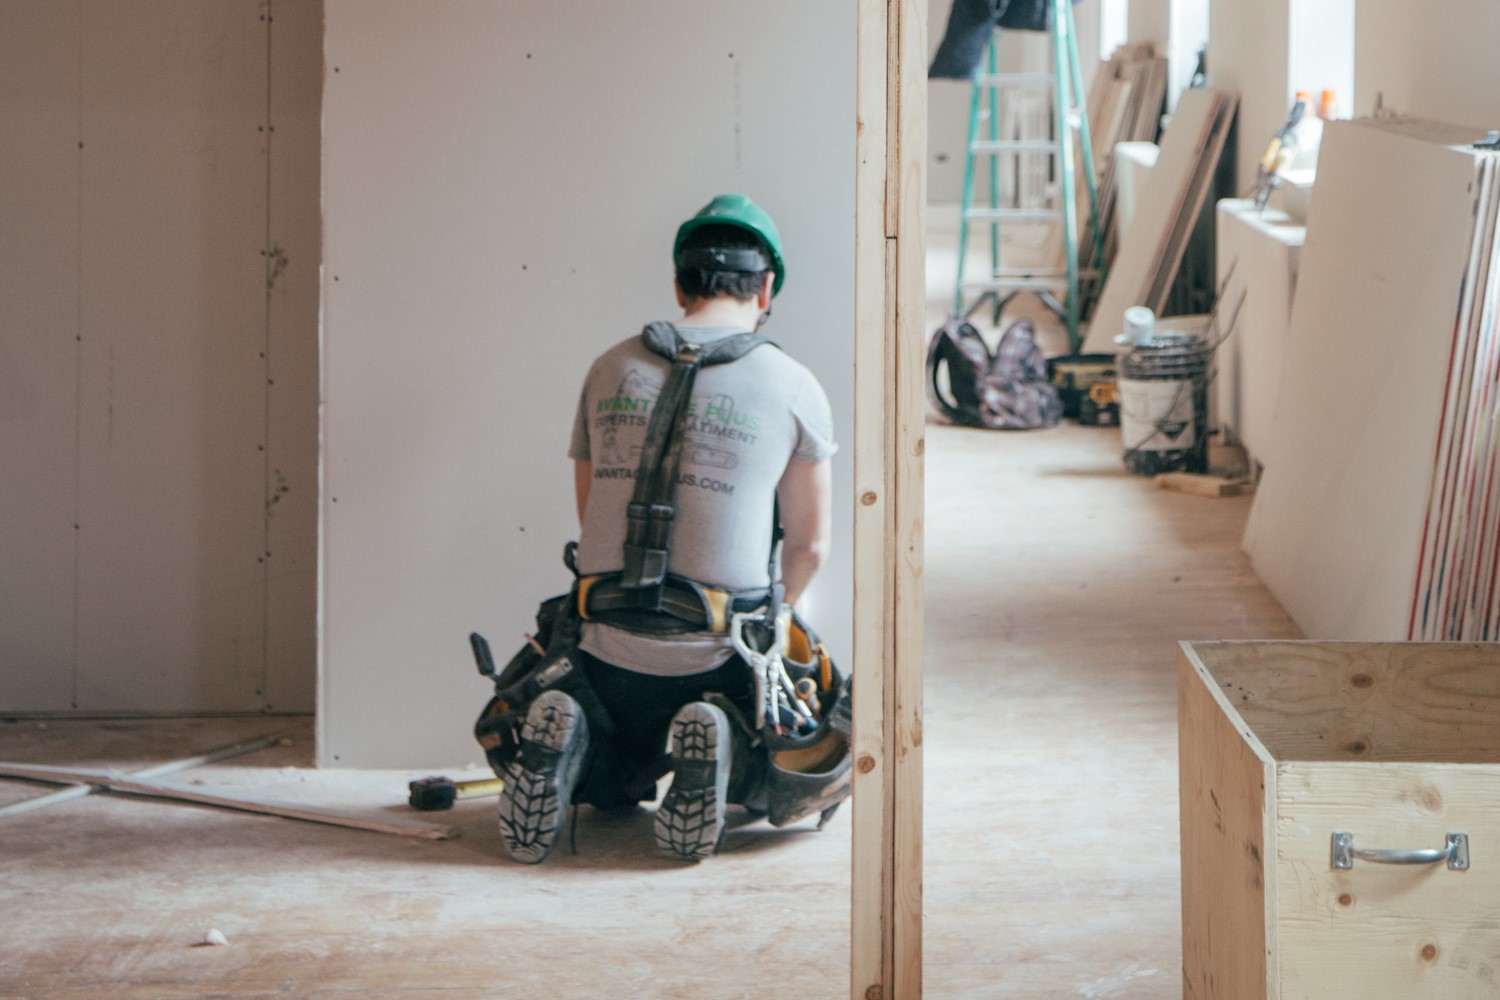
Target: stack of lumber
(1150,253)
(1124,105)
(1378,517)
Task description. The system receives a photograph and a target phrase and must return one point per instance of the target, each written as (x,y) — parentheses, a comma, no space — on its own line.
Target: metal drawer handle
(1456,853)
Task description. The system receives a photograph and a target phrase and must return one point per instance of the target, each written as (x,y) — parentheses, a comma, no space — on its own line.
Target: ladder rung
(1016,79)
(1020,283)
(1045,276)
(1013,146)
(1013,214)
(1032,272)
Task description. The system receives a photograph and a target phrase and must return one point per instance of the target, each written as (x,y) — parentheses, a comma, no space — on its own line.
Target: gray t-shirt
(747,419)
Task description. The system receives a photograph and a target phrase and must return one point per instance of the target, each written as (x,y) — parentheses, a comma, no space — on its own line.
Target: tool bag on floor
(1008,390)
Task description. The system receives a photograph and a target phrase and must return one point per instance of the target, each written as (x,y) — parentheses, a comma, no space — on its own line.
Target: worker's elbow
(809,554)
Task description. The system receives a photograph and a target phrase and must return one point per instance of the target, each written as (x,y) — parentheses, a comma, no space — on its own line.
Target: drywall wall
(1189,35)
(1434,60)
(1248,53)
(158,370)
(1321,52)
(1151,21)
(502,182)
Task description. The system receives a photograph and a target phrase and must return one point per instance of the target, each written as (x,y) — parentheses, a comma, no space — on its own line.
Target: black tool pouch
(532,671)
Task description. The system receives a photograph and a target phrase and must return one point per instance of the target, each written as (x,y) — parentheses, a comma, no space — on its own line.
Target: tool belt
(683,605)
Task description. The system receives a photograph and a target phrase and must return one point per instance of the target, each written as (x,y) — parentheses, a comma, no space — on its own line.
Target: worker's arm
(583,478)
(806,496)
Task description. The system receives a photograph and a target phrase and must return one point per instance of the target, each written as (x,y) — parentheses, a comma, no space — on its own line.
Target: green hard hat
(736,210)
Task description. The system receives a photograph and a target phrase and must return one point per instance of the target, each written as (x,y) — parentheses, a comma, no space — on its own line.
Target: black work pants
(641,707)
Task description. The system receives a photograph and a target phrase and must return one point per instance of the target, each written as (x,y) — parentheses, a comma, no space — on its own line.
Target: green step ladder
(1069,116)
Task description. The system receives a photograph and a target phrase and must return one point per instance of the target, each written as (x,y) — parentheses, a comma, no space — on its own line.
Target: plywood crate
(1283,745)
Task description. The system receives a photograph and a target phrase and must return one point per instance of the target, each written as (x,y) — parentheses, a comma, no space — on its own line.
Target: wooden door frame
(889,417)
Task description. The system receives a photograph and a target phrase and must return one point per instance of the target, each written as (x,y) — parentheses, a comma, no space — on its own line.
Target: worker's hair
(702,283)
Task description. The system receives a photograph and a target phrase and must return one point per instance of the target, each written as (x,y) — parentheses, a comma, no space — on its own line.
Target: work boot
(539,781)
(690,820)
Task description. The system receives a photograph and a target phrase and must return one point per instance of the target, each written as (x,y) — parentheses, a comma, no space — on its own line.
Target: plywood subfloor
(1056,588)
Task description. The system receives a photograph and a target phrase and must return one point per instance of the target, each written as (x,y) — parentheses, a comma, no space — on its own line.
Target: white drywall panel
(502,182)
(294,244)
(1248,54)
(38,351)
(134,371)
(1433,60)
(1336,528)
(173,201)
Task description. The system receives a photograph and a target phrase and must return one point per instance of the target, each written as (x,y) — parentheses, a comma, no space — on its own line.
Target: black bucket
(1163,393)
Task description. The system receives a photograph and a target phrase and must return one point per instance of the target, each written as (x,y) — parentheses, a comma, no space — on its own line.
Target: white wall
(1429,60)
(1248,54)
(158,428)
(1151,21)
(1434,60)
(1189,34)
(1321,55)
(502,182)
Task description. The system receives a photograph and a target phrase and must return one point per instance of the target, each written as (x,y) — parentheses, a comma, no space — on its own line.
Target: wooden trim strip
(267,807)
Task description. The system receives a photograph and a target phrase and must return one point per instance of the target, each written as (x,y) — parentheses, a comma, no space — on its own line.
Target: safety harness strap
(652,509)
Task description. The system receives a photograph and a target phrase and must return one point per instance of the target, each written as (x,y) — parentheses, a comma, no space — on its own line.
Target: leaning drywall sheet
(38,352)
(1162,198)
(1337,523)
(501,187)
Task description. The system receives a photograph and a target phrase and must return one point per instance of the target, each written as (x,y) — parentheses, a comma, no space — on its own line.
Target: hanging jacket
(971,25)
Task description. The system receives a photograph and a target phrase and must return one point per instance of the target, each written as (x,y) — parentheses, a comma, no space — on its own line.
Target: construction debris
(1200,484)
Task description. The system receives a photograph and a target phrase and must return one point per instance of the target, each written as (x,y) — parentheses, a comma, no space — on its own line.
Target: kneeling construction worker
(697,446)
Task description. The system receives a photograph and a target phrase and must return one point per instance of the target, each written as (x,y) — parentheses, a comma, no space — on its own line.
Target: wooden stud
(886,952)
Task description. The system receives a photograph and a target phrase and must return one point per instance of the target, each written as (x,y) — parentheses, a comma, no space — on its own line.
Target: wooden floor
(1057,587)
